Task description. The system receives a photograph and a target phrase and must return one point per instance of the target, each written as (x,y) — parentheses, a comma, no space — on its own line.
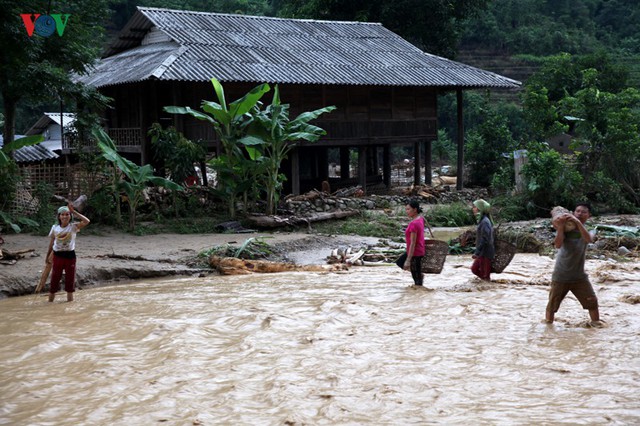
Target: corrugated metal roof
(48,118)
(34,153)
(276,50)
(30,154)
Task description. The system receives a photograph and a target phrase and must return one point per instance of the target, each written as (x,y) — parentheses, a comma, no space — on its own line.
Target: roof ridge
(333,52)
(238,15)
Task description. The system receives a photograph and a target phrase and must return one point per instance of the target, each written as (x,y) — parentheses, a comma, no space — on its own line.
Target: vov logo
(45,25)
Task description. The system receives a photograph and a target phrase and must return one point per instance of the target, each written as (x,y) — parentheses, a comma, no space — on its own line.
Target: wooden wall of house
(364,114)
(368,114)
(368,118)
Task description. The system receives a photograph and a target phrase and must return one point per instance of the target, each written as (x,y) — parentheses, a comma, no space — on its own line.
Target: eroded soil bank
(115,257)
(111,257)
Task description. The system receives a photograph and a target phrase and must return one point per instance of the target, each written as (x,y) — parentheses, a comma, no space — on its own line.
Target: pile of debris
(441,192)
(235,266)
(10,257)
(382,256)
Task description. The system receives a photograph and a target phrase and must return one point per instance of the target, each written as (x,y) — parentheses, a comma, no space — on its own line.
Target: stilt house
(385,89)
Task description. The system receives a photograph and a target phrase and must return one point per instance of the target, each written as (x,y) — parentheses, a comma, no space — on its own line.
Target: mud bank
(115,257)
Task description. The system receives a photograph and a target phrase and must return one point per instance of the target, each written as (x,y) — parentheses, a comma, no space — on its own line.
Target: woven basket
(435,253)
(504,253)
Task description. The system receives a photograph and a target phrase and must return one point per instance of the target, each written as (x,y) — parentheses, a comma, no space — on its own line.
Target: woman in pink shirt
(414,237)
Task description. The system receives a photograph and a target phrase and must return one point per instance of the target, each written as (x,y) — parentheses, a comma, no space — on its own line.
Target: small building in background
(30,154)
(52,125)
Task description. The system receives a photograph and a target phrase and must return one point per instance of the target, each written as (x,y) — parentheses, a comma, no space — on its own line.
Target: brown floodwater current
(350,348)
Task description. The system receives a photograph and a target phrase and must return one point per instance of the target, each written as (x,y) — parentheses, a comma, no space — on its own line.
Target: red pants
(482,267)
(69,267)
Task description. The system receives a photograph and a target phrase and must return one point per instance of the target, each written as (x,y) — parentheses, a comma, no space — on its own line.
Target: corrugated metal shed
(275,50)
(51,118)
(31,154)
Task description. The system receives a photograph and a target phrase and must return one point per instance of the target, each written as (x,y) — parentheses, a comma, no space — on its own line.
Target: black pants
(415,267)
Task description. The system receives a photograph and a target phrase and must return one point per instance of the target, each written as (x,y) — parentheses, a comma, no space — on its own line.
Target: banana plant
(273,135)
(137,177)
(230,123)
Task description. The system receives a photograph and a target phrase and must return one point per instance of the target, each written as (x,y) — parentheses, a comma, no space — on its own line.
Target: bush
(102,207)
(9,178)
(443,150)
(457,214)
(606,191)
(510,208)
(552,181)
(370,224)
(503,180)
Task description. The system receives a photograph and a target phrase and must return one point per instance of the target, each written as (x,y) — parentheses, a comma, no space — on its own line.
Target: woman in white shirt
(62,246)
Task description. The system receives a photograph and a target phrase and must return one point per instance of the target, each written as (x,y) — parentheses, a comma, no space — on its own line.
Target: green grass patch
(185,225)
(451,215)
(369,224)
(251,248)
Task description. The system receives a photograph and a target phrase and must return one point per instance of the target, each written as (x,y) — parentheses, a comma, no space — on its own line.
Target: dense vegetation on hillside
(505,36)
(510,36)
(547,27)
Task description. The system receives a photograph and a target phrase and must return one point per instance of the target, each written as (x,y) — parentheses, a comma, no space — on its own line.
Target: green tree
(273,136)
(551,180)
(175,152)
(443,150)
(230,123)
(432,25)
(137,177)
(36,67)
(605,129)
(488,147)
(609,133)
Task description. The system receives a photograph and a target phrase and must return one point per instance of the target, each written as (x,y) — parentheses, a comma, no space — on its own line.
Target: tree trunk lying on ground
(235,266)
(278,221)
(14,255)
(79,204)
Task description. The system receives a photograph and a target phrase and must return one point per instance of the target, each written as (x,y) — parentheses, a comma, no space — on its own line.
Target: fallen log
(309,196)
(355,257)
(448,180)
(349,192)
(140,258)
(279,221)
(79,203)
(236,266)
(14,255)
(379,263)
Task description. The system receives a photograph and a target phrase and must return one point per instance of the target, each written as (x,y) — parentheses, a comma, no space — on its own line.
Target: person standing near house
(568,272)
(62,245)
(485,245)
(411,260)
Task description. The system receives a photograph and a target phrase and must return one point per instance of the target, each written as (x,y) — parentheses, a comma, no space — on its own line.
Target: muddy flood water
(351,348)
